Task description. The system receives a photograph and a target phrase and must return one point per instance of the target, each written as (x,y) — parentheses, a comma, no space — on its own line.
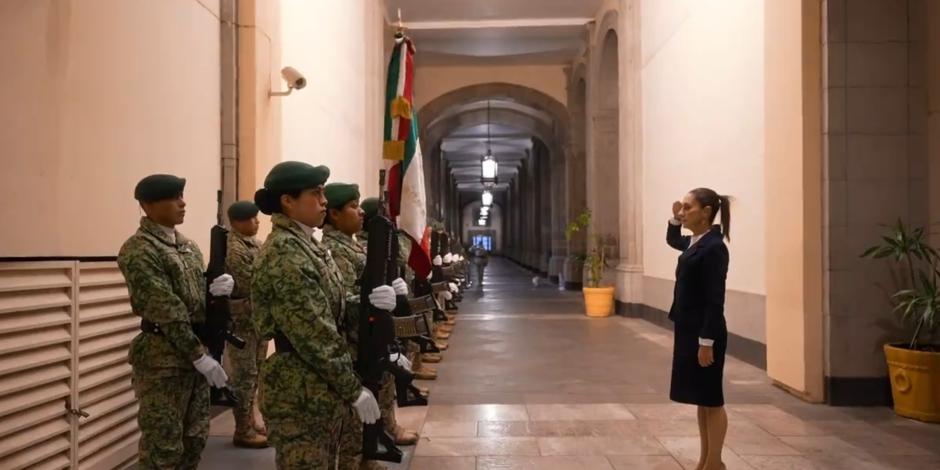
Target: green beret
(295,176)
(242,210)
(339,194)
(287,177)
(159,187)
(370,206)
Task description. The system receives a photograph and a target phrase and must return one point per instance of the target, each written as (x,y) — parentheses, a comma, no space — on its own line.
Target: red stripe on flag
(419,260)
(394,190)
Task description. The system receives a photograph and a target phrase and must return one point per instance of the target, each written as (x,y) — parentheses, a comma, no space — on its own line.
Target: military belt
(282,344)
(148,326)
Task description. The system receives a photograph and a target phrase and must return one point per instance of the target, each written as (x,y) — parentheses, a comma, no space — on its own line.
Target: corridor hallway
(529,382)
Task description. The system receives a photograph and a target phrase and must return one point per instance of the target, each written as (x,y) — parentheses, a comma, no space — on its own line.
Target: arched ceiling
(464,148)
(495,31)
(506,128)
(460,125)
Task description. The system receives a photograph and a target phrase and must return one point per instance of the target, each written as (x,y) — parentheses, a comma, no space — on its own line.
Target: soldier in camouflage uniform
(311,391)
(171,370)
(241,250)
(344,220)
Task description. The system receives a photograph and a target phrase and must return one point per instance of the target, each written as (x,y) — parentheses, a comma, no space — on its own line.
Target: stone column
(933,116)
(558,210)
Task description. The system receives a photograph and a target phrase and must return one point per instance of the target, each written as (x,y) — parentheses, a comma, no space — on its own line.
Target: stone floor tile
(629,428)
(486,412)
(688,449)
(543,463)
(449,429)
(643,462)
(442,463)
(567,412)
(785,462)
(474,446)
(607,445)
(667,411)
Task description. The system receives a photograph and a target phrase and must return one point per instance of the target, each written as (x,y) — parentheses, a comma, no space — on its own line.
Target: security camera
(294,79)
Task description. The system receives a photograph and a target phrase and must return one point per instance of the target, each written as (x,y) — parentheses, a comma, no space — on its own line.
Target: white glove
(401,360)
(448,295)
(448,258)
(222,286)
(383,297)
(459,258)
(213,371)
(452,287)
(367,407)
(430,275)
(400,286)
(437,261)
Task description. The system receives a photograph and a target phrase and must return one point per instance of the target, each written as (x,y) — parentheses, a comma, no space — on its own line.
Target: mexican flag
(402,154)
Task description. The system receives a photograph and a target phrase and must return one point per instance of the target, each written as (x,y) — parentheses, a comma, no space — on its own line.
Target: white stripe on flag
(414,213)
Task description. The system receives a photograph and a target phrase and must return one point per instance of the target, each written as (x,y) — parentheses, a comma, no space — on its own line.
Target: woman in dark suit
(701,335)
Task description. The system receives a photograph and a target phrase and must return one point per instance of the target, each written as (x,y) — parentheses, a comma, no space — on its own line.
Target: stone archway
(545,118)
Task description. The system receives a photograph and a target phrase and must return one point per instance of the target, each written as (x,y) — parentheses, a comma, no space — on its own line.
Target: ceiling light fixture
(489,167)
(487,198)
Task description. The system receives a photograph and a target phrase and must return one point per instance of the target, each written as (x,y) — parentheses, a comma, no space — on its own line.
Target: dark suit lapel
(707,238)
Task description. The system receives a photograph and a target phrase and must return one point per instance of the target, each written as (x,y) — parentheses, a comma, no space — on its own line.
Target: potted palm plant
(914,365)
(598,300)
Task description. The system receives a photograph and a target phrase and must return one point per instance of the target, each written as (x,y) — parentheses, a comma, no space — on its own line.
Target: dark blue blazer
(699,297)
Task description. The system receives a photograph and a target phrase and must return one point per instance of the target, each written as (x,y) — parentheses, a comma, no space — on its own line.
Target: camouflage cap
(159,187)
(242,210)
(339,194)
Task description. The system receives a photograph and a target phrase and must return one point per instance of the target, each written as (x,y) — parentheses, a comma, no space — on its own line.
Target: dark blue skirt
(691,383)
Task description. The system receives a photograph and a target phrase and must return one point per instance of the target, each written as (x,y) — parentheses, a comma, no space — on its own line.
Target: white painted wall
(96,95)
(703,124)
(339,45)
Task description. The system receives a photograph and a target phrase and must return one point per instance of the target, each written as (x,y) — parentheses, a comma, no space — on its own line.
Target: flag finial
(401,25)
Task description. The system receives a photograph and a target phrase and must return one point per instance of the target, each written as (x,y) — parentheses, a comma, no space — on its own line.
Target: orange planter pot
(599,301)
(915,383)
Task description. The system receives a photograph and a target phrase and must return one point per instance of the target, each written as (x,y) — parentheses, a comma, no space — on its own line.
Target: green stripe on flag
(391,88)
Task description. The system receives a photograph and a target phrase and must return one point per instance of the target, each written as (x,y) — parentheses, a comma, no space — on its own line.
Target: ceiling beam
(498,24)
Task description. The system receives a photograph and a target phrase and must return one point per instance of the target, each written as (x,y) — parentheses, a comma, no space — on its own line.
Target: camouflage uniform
(297,291)
(350,256)
(241,253)
(167,287)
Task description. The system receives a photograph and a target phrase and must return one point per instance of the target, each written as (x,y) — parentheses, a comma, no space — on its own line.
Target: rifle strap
(282,344)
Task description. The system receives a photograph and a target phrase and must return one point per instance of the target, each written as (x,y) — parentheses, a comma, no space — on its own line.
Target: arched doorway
(528,132)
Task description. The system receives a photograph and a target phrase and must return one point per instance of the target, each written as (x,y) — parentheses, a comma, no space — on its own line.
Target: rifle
(217,330)
(445,273)
(406,393)
(420,325)
(376,329)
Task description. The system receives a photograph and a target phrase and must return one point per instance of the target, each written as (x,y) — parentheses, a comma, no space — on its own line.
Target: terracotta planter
(915,382)
(598,301)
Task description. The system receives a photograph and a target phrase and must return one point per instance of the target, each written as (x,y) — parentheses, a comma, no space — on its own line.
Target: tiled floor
(530,383)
